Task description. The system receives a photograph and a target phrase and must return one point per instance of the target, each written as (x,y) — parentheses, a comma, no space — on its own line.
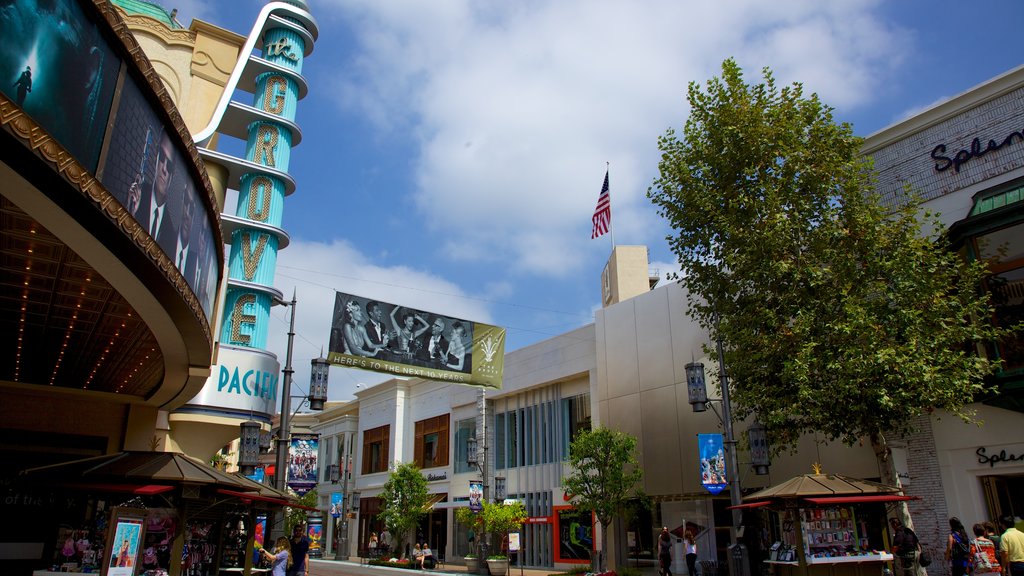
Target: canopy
(822,485)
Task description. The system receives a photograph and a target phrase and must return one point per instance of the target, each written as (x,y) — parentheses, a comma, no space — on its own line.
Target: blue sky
(453,150)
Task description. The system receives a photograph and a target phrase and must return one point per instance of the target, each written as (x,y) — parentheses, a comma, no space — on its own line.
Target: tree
(604,475)
(403,501)
(297,516)
(837,312)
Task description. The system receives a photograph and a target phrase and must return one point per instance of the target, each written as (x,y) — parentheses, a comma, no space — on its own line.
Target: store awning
(749,505)
(860,499)
(247,496)
(434,499)
(139,490)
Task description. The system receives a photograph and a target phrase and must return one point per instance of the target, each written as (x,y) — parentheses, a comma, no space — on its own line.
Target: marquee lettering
(944,163)
(253,383)
(1002,456)
(266,141)
(251,258)
(239,317)
(260,189)
(273,94)
(281,48)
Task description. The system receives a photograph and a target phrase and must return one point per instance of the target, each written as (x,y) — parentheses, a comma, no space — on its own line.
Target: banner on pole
(712,462)
(383,337)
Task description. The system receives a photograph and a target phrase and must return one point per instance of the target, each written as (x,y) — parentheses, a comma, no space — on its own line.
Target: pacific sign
(243,380)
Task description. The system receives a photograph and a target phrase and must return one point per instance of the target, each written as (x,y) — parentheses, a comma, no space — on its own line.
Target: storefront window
(1003,249)
(431,442)
(465,429)
(376,443)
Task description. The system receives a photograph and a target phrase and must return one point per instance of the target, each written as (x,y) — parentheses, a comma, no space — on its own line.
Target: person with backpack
(983,552)
(905,547)
(958,548)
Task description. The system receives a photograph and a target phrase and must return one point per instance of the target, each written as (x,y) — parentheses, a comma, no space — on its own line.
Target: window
(576,417)
(376,446)
(431,443)
(1003,249)
(464,430)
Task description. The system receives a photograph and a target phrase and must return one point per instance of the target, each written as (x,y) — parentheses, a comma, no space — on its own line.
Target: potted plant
(497,564)
(499,520)
(472,563)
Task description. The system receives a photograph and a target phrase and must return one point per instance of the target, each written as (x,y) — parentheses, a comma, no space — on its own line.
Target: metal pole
(730,444)
(284,438)
(342,552)
(482,408)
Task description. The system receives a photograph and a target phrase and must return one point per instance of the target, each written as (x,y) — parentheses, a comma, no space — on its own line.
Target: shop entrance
(1004,495)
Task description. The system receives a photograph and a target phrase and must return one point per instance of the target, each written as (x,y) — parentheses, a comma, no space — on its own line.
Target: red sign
(539,520)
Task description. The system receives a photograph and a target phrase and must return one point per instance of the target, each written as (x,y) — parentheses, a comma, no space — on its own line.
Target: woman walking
(958,548)
(691,553)
(665,553)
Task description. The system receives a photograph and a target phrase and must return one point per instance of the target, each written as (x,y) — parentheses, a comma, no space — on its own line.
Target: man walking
(1011,547)
(300,552)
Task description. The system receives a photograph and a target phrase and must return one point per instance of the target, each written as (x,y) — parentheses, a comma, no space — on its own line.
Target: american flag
(603,212)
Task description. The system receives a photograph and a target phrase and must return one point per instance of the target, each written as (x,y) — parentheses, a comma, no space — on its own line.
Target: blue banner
(712,462)
(337,504)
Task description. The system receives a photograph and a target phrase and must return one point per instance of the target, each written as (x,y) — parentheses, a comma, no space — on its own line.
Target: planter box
(498,567)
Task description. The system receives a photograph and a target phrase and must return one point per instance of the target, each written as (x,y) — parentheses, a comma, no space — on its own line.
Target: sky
(453,150)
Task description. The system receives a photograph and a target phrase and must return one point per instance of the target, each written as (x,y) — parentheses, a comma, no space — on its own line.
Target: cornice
(154,27)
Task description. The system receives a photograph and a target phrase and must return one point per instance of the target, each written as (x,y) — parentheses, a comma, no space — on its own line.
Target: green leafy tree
(838,312)
(499,519)
(493,522)
(604,475)
(298,516)
(403,501)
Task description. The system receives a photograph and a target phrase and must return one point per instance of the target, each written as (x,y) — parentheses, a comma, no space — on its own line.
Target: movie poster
(382,337)
(302,458)
(712,462)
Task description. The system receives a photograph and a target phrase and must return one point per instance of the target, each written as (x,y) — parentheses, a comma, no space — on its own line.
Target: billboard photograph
(393,339)
(149,176)
(56,66)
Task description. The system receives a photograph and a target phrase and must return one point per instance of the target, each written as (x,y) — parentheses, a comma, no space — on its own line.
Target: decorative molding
(149,25)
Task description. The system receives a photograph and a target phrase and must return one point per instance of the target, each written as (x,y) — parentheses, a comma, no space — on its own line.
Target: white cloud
(516,107)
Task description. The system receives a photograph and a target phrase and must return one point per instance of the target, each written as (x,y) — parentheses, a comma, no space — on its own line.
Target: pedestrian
(691,553)
(992,534)
(665,553)
(1011,546)
(372,545)
(958,548)
(384,543)
(905,547)
(983,552)
(280,558)
(300,552)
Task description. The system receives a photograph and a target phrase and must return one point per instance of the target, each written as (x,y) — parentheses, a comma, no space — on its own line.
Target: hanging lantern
(249,447)
(759,455)
(696,389)
(471,451)
(318,383)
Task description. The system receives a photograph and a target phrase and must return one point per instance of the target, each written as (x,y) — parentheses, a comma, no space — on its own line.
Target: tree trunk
(889,475)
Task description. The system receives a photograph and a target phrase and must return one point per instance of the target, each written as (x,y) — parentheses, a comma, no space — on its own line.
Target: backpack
(961,548)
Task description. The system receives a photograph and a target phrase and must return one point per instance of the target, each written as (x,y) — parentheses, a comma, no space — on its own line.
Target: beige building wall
(625,275)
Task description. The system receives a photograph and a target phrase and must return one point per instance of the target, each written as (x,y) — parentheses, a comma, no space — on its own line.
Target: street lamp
(473,458)
(696,389)
(249,447)
(499,488)
(318,383)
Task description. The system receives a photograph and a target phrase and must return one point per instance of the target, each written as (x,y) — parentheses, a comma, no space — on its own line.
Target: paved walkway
(355,568)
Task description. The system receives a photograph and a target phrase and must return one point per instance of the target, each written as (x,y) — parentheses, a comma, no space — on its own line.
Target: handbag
(925,559)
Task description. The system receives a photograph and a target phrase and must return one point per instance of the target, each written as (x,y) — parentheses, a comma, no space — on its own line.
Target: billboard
(56,65)
(712,462)
(393,339)
(302,468)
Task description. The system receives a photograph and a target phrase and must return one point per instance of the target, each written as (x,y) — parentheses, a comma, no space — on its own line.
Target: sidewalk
(354,567)
(319,567)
